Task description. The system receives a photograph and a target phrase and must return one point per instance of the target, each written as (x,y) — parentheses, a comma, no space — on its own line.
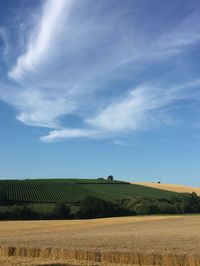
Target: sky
(92,88)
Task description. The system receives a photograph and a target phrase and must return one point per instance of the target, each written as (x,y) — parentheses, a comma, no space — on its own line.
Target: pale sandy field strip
(111,240)
(170,187)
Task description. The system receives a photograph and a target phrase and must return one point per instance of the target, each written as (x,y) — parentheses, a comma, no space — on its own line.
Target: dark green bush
(61,211)
(93,207)
(184,203)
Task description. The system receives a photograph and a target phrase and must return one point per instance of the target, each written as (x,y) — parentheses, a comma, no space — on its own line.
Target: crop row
(40,193)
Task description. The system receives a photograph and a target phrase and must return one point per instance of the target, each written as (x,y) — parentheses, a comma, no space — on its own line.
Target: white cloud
(4,37)
(121,142)
(185,34)
(40,110)
(68,133)
(143,106)
(41,39)
(134,111)
(75,57)
(140,109)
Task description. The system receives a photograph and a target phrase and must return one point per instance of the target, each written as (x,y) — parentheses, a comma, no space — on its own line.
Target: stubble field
(148,240)
(170,187)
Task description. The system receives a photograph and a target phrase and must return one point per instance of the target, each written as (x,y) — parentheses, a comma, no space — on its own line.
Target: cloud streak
(82,58)
(140,109)
(69,133)
(41,38)
(4,37)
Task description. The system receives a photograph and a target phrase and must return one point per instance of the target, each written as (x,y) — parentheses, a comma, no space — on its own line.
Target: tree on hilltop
(110,178)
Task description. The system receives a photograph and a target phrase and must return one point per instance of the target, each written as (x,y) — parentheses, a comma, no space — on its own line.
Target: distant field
(170,187)
(73,191)
(147,240)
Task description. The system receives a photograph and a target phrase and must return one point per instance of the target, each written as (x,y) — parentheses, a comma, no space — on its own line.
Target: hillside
(170,187)
(73,191)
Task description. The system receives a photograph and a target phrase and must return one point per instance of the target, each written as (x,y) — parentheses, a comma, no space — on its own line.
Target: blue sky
(91,88)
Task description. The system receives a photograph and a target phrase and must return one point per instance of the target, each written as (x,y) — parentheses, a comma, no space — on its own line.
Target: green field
(73,191)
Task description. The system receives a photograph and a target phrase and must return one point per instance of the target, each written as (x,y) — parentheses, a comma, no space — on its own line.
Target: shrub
(167,208)
(183,203)
(146,207)
(94,207)
(61,211)
(20,213)
(190,203)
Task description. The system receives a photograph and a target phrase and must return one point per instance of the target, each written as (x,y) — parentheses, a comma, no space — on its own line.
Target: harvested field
(170,187)
(148,240)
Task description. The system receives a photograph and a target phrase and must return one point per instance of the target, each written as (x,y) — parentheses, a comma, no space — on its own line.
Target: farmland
(134,240)
(147,240)
(73,191)
(170,187)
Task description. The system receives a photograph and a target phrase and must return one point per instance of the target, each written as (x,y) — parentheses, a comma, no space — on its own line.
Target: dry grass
(170,187)
(31,261)
(61,257)
(156,240)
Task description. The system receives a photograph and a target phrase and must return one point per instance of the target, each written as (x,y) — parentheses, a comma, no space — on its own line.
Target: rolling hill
(73,191)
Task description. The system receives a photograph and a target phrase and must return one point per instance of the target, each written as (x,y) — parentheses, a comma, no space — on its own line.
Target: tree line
(94,207)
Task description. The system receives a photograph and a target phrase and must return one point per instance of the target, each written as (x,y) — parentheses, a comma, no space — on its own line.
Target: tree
(190,202)
(61,211)
(110,178)
(166,207)
(146,206)
(93,207)
(27,213)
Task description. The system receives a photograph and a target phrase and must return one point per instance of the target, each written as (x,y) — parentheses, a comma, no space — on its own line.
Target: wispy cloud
(183,35)
(4,37)
(69,133)
(82,58)
(41,39)
(132,111)
(140,109)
